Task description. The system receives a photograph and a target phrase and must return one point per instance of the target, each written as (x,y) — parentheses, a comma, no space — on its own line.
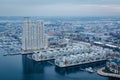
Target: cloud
(58,9)
(42,2)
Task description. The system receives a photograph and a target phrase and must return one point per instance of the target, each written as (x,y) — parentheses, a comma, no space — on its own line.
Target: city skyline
(60,8)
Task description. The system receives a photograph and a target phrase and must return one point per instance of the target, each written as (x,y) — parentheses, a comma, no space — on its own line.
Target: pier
(80,63)
(25,52)
(44,59)
(102,73)
(11,54)
(18,53)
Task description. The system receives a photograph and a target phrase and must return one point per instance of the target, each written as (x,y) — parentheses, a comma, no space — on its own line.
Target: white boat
(89,69)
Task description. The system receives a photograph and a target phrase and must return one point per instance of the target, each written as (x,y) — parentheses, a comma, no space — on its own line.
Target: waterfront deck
(44,59)
(11,54)
(100,72)
(25,52)
(80,63)
(18,53)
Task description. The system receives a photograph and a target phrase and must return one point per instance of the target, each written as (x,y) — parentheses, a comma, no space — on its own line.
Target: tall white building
(33,35)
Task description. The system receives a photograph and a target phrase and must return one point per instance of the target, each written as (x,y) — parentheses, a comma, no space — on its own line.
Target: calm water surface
(19,67)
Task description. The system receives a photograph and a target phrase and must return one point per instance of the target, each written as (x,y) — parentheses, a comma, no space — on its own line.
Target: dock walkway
(81,63)
(100,72)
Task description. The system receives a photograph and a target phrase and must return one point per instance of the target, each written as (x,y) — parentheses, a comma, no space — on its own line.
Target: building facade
(33,37)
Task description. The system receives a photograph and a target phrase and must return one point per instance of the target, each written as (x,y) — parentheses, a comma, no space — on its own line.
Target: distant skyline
(59,7)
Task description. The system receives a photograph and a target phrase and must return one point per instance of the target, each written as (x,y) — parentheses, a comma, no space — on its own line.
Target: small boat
(89,69)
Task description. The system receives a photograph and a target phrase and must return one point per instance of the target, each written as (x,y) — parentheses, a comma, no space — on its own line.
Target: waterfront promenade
(80,63)
(102,73)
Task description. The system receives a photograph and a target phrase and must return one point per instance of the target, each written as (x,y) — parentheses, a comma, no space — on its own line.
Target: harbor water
(20,67)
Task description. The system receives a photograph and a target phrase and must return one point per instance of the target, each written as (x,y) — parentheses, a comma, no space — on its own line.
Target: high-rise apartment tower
(33,37)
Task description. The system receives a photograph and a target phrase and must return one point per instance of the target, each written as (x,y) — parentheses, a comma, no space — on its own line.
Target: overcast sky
(59,7)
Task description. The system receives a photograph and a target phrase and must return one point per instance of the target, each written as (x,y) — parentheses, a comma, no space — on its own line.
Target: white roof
(110,45)
(98,42)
